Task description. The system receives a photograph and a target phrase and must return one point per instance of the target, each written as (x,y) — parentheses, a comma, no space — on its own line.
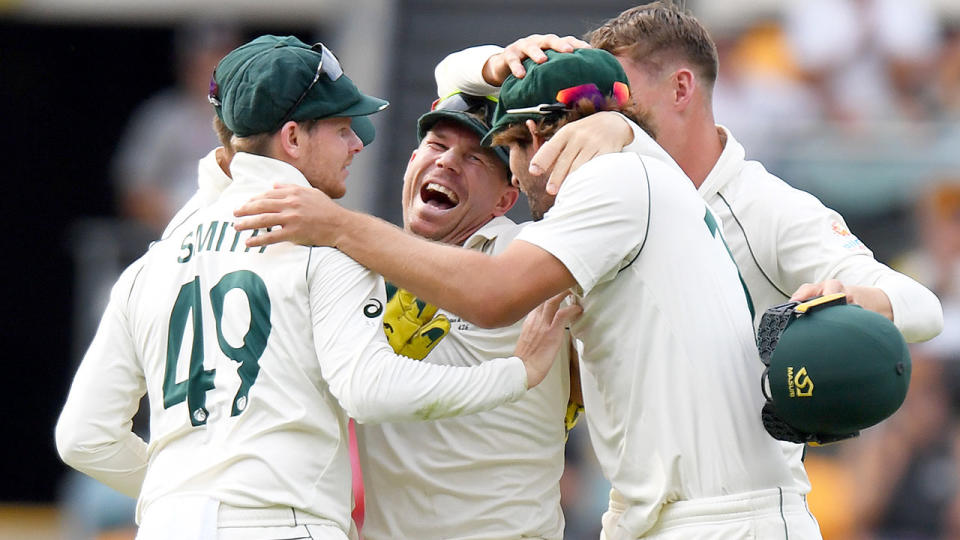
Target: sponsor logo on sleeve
(851,242)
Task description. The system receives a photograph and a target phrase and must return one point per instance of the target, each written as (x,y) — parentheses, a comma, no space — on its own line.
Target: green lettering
(188,246)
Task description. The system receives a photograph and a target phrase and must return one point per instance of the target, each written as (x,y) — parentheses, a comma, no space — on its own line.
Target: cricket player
(669,363)
(787,244)
(253,358)
(491,475)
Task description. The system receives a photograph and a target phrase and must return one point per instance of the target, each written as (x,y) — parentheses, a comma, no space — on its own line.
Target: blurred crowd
(860,95)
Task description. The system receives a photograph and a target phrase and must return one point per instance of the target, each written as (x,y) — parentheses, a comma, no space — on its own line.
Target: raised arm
(481,70)
(487,291)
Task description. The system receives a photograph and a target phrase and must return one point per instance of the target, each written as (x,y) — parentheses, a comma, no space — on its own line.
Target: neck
(223,160)
(695,144)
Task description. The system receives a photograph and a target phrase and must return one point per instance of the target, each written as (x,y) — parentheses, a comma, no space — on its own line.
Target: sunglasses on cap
(568,97)
(328,65)
(484,106)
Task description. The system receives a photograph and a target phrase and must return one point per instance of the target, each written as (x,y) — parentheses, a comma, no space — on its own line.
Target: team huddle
(260,323)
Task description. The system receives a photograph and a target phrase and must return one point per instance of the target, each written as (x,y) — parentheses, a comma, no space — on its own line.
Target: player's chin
(336,190)
(425,227)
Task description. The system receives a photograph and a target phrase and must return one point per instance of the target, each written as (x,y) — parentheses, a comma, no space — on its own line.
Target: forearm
(462,72)
(916,310)
(384,387)
(464,282)
(119,460)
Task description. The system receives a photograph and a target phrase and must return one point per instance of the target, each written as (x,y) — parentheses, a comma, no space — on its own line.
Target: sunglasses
(484,106)
(328,65)
(568,97)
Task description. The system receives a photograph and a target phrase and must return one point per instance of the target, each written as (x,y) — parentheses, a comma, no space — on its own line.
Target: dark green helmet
(832,369)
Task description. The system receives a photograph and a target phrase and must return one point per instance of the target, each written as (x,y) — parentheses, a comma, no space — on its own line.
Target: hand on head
(499,66)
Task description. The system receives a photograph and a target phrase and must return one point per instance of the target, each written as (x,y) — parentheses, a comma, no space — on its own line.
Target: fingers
(567,315)
(813,290)
(832,286)
(260,220)
(568,161)
(533,47)
(267,238)
(807,290)
(549,308)
(261,206)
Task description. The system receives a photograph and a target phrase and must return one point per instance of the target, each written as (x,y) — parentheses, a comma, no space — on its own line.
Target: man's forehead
(449,128)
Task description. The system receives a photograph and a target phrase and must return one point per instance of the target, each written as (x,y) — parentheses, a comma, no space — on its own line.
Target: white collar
(727,167)
(490,230)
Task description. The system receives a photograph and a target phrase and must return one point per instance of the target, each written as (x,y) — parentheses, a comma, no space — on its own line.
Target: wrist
(490,72)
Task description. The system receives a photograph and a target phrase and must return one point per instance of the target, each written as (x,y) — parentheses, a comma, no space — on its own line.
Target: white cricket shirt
(782,237)
(670,368)
(252,359)
(490,475)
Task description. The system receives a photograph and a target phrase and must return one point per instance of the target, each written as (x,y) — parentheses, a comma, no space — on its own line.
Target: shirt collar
(251,172)
(727,166)
(490,230)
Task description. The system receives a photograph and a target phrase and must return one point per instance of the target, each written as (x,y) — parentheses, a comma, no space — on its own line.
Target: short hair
(657,33)
(259,143)
(550,124)
(224,135)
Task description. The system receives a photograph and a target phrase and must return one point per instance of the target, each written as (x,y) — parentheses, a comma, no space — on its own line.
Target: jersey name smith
(214,237)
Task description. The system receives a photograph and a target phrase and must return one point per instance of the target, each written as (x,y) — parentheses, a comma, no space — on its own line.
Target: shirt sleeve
(462,71)
(371,382)
(95,431)
(814,244)
(596,201)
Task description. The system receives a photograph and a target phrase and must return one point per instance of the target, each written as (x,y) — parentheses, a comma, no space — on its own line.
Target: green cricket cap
(470,111)
(542,83)
(272,79)
(838,370)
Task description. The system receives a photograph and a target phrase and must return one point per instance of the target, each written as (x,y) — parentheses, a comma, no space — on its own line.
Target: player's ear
(684,84)
(290,139)
(508,198)
(534,135)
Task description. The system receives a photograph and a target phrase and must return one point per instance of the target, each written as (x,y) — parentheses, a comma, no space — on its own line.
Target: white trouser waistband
(271,516)
(736,506)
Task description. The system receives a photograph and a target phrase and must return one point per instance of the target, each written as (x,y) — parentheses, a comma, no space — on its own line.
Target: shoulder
(756,190)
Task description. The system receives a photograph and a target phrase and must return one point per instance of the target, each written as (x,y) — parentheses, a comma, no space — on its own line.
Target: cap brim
(504,122)
(430,119)
(364,129)
(366,105)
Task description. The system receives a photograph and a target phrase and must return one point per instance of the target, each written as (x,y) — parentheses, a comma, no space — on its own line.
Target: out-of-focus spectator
(155,168)
(909,461)
(936,262)
(868,59)
(948,72)
(760,94)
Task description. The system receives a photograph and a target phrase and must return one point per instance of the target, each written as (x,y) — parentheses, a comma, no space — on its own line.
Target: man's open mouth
(438,196)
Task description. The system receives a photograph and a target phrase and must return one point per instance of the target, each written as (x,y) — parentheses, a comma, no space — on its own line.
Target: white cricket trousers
(202,518)
(770,514)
